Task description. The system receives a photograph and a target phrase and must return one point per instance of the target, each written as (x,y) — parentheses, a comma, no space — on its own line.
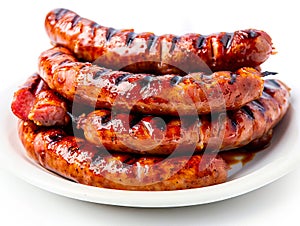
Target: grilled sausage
(195,93)
(145,52)
(77,160)
(35,101)
(152,135)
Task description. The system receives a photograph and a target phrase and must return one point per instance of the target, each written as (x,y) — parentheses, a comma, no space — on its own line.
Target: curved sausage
(167,94)
(148,53)
(79,161)
(37,102)
(153,135)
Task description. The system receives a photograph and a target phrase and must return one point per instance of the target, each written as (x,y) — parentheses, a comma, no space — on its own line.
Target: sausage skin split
(145,52)
(37,102)
(82,162)
(195,93)
(151,135)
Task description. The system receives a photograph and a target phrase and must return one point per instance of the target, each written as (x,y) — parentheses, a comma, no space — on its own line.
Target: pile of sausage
(136,111)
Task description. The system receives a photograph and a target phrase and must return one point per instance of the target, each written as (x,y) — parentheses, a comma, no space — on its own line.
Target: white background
(23,38)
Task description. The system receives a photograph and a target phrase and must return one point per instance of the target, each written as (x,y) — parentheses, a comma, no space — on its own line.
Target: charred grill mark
(273,83)
(266,95)
(55,138)
(38,87)
(122,78)
(232,119)
(130,37)
(233,123)
(270,87)
(266,73)
(58,53)
(110,32)
(151,42)
(252,34)
(94,27)
(59,13)
(35,84)
(75,20)
(174,41)
(200,41)
(232,78)
(64,62)
(105,119)
(259,106)
(248,112)
(146,80)
(227,40)
(175,80)
(73,149)
(99,74)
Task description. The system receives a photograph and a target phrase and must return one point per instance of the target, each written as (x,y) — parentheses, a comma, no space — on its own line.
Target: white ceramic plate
(272,163)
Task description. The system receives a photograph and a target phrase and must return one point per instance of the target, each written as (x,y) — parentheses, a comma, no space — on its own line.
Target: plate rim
(145,199)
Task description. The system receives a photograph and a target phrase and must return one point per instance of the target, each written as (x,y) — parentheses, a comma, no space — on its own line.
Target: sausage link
(37,102)
(167,94)
(79,161)
(153,135)
(148,53)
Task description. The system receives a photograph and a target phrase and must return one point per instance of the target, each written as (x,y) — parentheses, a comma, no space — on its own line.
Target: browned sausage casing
(151,135)
(35,101)
(77,160)
(145,52)
(167,94)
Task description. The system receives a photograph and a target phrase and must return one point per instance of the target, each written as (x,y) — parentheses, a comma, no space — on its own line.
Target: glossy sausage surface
(146,52)
(154,135)
(82,162)
(195,93)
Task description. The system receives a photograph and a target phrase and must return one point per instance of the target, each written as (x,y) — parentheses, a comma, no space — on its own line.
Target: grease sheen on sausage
(167,94)
(82,162)
(151,135)
(146,52)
